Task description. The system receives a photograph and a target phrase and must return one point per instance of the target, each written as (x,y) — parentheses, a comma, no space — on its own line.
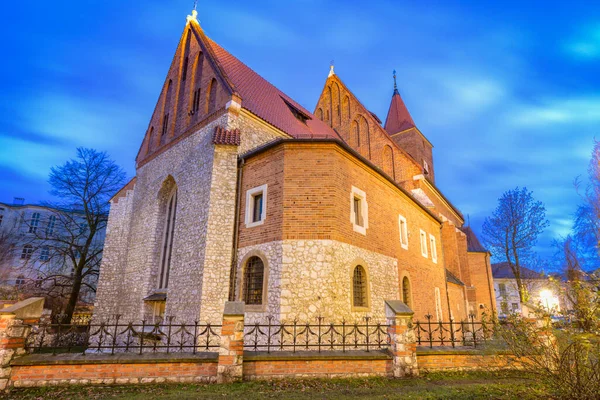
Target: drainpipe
(234,252)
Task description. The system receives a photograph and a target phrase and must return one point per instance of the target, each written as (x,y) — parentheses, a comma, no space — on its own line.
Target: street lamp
(545,296)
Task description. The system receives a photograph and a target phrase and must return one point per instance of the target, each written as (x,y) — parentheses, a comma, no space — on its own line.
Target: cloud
(587,45)
(582,110)
(39,157)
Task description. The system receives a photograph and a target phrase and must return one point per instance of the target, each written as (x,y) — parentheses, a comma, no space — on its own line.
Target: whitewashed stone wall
(310,278)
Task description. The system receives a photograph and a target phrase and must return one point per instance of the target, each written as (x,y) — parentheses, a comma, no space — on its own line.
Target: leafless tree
(512,230)
(73,247)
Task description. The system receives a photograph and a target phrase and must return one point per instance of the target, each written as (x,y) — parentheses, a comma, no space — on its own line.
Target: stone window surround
(365,267)
(163,270)
(265,295)
(405,274)
(423,240)
(357,193)
(250,194)
(403,229)
(432,243)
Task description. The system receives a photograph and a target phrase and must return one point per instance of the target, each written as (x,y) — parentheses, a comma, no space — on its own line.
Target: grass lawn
(456,385)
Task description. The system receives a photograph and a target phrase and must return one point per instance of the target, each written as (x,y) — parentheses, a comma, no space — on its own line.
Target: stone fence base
(456,359)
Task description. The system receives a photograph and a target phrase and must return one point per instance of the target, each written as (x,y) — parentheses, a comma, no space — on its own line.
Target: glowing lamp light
(548,299)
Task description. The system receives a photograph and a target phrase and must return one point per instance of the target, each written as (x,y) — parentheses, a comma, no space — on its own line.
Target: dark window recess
(253,278)
(185,68)
(298,113)
(258,206)
(165,127)
(195,102)
(359,285)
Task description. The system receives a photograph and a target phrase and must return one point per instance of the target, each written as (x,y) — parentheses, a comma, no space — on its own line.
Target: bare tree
(72,248)
(512,231)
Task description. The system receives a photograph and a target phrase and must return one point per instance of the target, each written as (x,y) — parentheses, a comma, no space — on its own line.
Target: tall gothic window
(167,245)
(359,287)
(406,291)
(253,281)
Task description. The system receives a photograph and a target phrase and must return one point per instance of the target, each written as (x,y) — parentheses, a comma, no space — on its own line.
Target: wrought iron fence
(319,336)
(118,337)
(468,333)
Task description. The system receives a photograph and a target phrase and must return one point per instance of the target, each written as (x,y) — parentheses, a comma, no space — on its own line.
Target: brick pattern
(346,113)
(482,280)
(314,204)
(231,351)
(316,369)
(456,361)
(96,374)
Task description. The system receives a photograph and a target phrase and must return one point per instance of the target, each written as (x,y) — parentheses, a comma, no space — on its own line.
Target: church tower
(402,129)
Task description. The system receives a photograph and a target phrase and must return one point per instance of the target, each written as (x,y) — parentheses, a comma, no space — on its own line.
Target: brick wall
(452,360)
(60,370)
(326,368)
(308,198)
(481,278)
(372,138)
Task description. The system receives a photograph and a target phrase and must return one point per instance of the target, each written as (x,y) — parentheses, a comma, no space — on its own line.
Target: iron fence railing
(319,336)
(467,333)
(119,337)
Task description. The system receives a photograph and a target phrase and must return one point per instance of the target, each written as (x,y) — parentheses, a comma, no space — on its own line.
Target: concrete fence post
(15,324)
(403,344)
(231,350)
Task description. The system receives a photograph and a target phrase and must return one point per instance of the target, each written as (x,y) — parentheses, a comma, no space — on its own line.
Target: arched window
(330,108)
(27,252)
(167,244)
(253,281)
(388,160)
(320,114)
(359,287)
(356,132)
(195,101)
(211,101)
(346,108)
(406,291)
(166,111)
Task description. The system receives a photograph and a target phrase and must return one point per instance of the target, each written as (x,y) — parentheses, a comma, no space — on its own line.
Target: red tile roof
(398,118)
(266,101)
(223,136)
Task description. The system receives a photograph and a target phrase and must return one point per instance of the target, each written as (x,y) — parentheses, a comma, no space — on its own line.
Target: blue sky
(509,94)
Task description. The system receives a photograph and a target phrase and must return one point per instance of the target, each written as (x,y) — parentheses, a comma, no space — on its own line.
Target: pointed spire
(331,72)
(398,118)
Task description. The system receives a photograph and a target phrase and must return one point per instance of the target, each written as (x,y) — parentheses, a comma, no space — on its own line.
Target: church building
(242,194)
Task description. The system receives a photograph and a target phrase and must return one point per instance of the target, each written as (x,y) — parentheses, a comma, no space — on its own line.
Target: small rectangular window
(35,222)
(45,253)
(423,244)
(433,248)
(425,166)
(403,227)
(504,307)
(502,289)
(358,219)
(359,211)
(256,206)
(515,307)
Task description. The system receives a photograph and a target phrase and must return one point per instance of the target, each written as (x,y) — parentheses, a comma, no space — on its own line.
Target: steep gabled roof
(473,243)
(267,102)
(398,118)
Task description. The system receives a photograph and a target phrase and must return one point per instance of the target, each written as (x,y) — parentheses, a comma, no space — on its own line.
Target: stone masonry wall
(310,278)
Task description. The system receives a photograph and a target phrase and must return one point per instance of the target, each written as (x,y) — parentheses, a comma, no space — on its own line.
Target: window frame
(423,241)
(34,222)
(27,252)
(250,205)
(240,284)
(403,229)
(356,193)
(433,245)
(365,288)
